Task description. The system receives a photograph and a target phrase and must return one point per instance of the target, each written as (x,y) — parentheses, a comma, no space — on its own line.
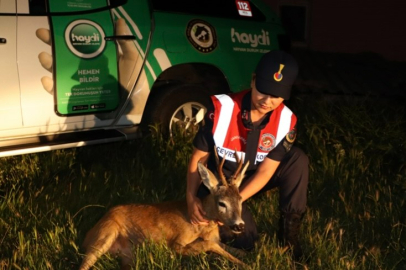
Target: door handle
(124,37)
(3,40)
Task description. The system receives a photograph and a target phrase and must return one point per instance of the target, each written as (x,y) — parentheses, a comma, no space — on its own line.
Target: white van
(79,72)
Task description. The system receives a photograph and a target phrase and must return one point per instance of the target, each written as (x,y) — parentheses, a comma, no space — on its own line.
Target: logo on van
(201,35)
(253,39)
(85,38)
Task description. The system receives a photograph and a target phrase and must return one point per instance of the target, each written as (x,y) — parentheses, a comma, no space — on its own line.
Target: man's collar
(246,115)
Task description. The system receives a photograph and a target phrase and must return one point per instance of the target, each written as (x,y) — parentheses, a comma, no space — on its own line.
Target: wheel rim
(184,118)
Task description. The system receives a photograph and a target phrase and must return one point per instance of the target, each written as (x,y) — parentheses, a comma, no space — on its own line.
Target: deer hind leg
(127,259)
(96,248)
(199,245)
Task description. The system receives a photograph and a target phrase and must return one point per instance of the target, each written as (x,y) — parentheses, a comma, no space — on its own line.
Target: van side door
(10,109)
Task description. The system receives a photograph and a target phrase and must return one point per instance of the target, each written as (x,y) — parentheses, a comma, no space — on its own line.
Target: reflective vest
(230,134)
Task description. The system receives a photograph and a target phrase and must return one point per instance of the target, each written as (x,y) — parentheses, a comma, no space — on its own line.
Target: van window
(227,8)
(40,7)
(37,6)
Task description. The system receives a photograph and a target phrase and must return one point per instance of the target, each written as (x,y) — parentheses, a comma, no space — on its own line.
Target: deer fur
(126,226)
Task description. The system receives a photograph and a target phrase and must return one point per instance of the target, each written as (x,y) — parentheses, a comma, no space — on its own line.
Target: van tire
(167,108)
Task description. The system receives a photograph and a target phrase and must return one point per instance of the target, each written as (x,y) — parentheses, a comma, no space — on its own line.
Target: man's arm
(267,168)
(195,210)
(259,179)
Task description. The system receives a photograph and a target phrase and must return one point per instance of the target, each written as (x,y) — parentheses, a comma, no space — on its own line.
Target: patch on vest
(267,142)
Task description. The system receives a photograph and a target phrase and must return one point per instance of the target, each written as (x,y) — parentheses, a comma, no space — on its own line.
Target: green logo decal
(85,38)
(202,36)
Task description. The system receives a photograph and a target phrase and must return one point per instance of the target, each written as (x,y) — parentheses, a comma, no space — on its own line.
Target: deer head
(225,200)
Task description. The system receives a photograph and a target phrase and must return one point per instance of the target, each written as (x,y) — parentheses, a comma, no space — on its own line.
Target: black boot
(289,228)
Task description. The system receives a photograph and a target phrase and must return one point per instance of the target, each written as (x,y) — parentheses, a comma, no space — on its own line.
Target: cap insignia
(278,75)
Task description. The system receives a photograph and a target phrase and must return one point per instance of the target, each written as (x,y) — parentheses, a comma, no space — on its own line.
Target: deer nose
(238,227)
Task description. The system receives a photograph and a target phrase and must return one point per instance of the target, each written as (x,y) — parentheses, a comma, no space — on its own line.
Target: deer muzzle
(238,228)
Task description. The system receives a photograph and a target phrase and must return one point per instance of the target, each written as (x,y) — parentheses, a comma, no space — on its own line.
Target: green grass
(355,217)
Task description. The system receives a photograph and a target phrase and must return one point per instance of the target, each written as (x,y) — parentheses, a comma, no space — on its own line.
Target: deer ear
(241,175)
(208,178)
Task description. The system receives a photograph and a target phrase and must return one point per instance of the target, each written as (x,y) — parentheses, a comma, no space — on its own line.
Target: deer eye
(222,207)
(221,204)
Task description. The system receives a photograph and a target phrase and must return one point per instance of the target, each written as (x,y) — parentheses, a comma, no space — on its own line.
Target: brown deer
(124,226)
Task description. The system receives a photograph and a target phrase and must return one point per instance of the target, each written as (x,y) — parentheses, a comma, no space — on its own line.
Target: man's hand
(196,212)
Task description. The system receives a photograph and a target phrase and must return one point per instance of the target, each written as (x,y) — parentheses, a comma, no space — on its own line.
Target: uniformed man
(262,129)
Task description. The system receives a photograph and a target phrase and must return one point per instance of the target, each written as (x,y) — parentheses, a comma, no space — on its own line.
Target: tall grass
(355,217)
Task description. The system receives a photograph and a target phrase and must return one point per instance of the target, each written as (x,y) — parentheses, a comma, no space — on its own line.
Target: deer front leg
(234,251)
(199,245)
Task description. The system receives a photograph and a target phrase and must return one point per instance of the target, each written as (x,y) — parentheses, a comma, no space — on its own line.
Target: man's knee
(299,157)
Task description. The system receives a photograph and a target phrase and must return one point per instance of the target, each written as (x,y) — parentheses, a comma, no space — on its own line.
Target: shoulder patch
(291,136)
(289,140)
(287,145)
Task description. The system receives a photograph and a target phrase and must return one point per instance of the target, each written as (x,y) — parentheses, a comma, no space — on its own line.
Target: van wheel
(179,109)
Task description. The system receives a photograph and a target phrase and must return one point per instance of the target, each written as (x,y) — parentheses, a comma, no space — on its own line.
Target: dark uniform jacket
(228,126)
